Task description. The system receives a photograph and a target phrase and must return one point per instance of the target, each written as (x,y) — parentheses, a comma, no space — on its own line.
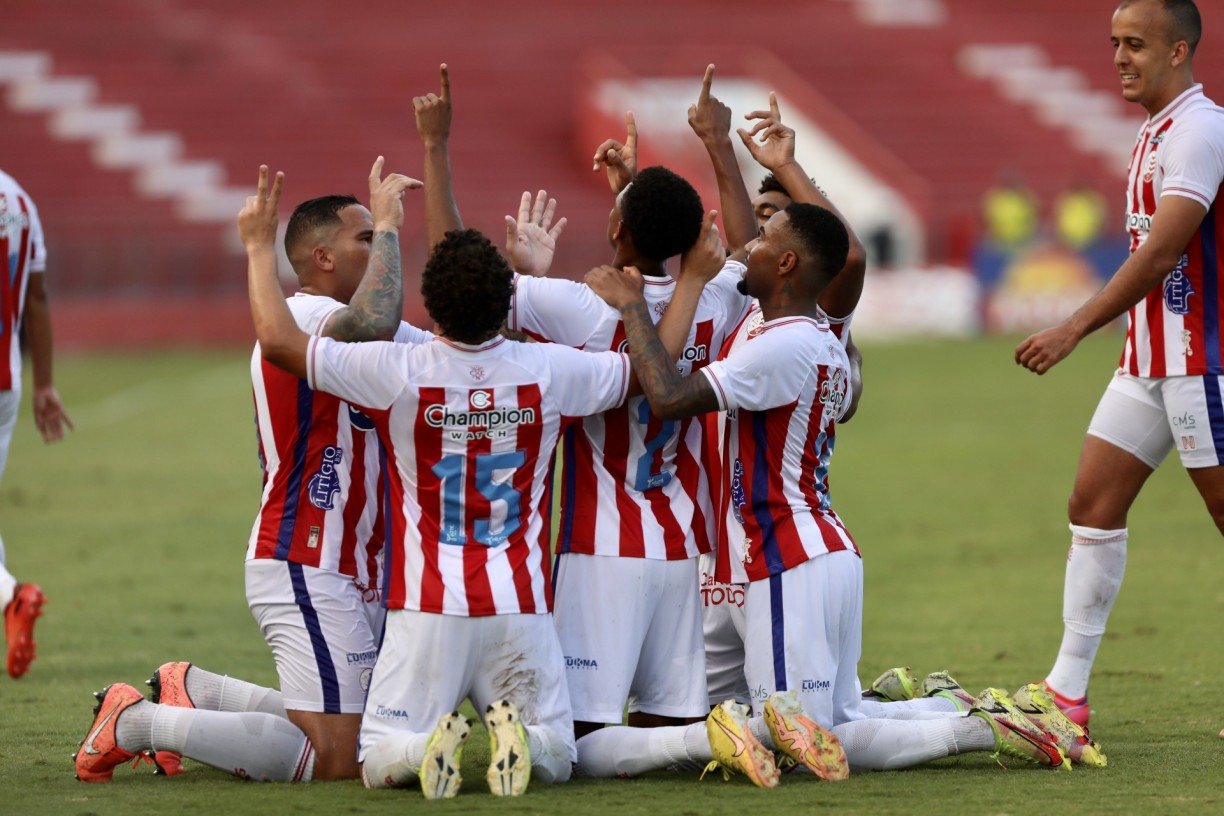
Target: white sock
(1095,566)
(882,745)
(219,692)
(550,756)
(619,750)
(395,760)
(924,708)
(248,744)
(972,734)
(8,584)
(760,730)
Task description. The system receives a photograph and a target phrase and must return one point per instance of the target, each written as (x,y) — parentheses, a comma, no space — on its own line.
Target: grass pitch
(953,478)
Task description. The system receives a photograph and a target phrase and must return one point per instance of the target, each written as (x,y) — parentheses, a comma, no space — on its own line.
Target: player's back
(471,431)
(22,247)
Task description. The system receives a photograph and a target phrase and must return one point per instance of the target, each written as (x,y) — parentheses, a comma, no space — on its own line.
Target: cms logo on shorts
(325,484)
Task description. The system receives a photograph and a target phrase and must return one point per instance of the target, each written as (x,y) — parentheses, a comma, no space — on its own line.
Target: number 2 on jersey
(451,470)
(643,479)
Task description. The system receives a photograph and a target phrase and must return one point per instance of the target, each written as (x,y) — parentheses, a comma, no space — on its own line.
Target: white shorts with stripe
(805,633)
(722,619)
(630,630)
(1147,417)
(9,402)
(323,631)
(431,663)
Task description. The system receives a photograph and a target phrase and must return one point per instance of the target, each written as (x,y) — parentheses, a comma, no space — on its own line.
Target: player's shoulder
(802,338)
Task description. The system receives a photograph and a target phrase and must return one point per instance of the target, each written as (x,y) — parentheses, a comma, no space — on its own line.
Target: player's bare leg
(334,737)
(1106,484)
(1210,484)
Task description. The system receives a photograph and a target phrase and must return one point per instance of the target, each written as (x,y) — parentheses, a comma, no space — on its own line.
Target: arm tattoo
(670,395)
(377,306)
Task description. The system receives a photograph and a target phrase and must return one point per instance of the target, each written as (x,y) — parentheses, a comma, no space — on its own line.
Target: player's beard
(742,286)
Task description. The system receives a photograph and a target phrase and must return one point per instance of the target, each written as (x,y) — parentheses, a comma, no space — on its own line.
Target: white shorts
(722,619)
(630,630)
(9,403)
(431,663)
(324,635)
(1147,417)
(805,633)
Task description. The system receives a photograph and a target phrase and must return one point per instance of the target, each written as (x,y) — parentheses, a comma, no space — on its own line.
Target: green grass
(953,478)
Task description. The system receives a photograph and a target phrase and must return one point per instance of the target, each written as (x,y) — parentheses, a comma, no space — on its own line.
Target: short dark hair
(1186,22)
(662,212)
(467,286)
(770,184)
(312,215)
(821,236)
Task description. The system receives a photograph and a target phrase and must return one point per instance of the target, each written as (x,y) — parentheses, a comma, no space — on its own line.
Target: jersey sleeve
(725,299)
(313,311)
(1194,164)
(556,311)
(410,334)
(587,383)
(38,247)
(764,373)
(369,374)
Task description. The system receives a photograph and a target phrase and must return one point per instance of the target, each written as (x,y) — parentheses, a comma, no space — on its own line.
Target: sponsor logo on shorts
(364,679)
(716,594)
(1186,421)
(815,685)
(325,484)
(388,713)
(581,663)
(355,658)
(1187,442)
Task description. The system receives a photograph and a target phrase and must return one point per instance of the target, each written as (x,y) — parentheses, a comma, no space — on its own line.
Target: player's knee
(1086,509)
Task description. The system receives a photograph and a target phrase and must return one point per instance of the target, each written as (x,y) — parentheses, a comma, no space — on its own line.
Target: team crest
(477,372)
(1178,289)
(325,484)
(755,324)
(661,307)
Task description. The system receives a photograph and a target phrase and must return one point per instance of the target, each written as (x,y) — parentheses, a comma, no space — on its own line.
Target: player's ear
(788,262)
(323,258)
(1181,53)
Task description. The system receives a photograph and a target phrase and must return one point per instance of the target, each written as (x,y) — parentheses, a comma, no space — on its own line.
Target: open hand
(618,287)
(619,159)
(258,219)
(49,415)
(433,112)
(387,197)
(530,242)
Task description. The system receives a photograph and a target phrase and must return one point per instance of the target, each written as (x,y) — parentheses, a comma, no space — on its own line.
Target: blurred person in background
(1168,391)
(23,296)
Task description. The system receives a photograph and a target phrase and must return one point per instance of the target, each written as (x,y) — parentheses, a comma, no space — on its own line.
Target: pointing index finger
(773,106)
(706,82)
(631,128)
(445,82)
(376,173)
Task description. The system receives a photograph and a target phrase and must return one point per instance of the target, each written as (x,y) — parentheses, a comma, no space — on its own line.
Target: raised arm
(1173,226)
(531,239)
(710,119)
(376,308)
(281,342)
(619,159)
(433,118)
(772,144)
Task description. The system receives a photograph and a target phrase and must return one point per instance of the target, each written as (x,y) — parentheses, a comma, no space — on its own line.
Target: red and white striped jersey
(633,485)
(323,466)
(784,384)
(24,253)
(470,433)
(1176,329)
